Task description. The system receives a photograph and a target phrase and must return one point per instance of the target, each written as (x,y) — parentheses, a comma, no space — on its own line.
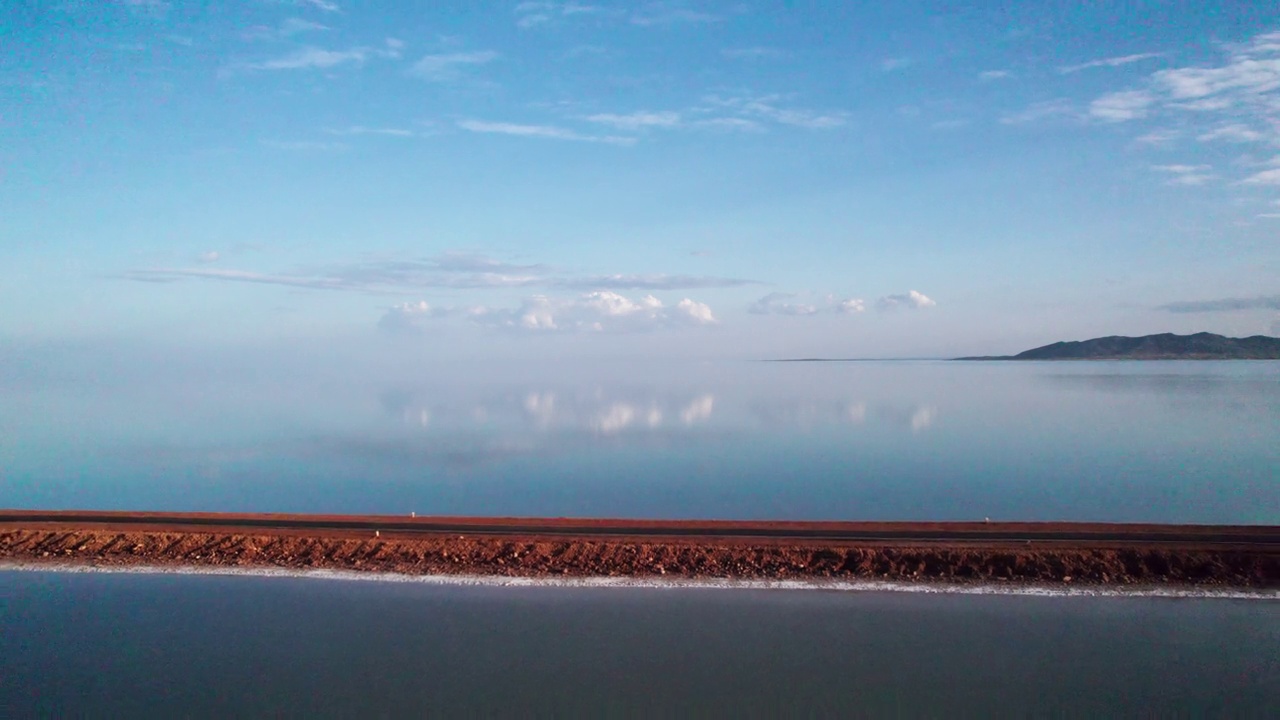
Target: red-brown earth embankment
(1238,557)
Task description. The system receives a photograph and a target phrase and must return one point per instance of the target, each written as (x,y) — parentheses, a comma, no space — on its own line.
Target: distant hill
(1166,346)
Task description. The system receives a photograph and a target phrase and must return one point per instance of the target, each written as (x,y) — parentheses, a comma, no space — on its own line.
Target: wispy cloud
(315,58)
(327,6)
(990,75)
(286,29)
(1232,133)
(734,124)
(769,107)
(1158,137)
(147,8)
(547,14)
(1259,302)
(670,13)
(242,276)
(1121,106)
(305,145)
(362,130)
(1232,100)
(1266,177)
(637,120)
(895,63)
(450,67)
(779,303)
(541,14)
(1109,62)
(1058,109)
(551,132)
(1193,175)
(753,53)
(650,282)
(452,270)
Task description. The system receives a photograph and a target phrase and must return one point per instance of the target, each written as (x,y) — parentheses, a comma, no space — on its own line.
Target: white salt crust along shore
(1019,589)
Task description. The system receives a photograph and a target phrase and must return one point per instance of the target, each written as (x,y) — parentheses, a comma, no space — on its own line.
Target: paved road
(1073,533)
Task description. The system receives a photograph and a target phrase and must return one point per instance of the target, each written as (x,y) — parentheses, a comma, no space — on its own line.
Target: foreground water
(103,645)
(1109,441)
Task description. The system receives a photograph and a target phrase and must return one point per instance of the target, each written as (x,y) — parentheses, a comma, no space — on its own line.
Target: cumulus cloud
(912,301)
(1259,302)
(600,311)
(849,306)
(1108,62)
(410,317)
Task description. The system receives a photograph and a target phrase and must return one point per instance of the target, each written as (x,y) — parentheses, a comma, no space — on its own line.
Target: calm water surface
(99,645)
(1118,441)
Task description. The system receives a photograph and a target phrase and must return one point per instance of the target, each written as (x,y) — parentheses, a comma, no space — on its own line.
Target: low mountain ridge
(1165,346)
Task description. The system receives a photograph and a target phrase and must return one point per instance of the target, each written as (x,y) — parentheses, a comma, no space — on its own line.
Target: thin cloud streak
(1261,302)
(551,132)
(1108,62)
(454,270)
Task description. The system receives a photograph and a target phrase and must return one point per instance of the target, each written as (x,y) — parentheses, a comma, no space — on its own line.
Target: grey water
(1160,441)
(105,645)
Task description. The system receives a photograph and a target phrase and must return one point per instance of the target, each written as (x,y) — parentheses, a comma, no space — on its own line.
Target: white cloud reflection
(603,411)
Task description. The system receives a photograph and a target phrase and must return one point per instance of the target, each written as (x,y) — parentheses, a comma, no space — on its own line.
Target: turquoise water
(920,440)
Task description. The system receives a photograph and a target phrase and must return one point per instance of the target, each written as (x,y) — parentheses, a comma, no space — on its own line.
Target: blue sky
(668,179)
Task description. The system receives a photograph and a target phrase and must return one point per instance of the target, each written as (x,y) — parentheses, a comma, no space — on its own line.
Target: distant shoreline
(1165,346)
(1059,554)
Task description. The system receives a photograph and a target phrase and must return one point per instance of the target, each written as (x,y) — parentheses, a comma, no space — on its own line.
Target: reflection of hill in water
(1166,384)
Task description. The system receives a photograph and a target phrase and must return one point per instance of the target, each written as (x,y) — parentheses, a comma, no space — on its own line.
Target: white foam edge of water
(659,583)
